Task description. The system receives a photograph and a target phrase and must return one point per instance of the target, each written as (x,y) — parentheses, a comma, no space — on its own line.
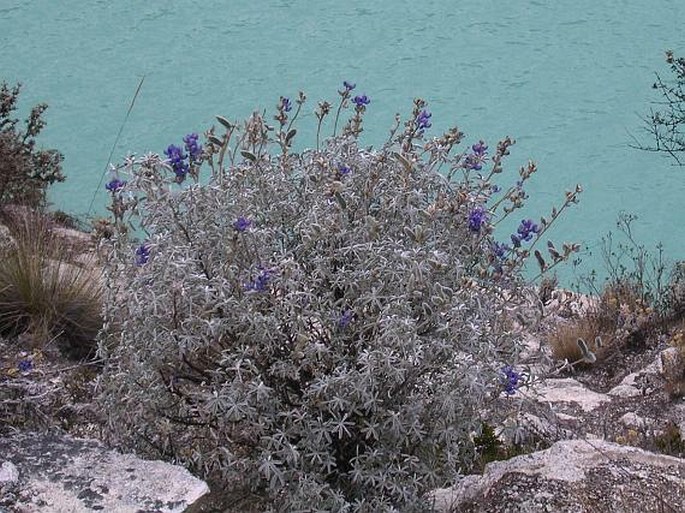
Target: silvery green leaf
(290,135)
(215,140)
(340,200)
(248,155)
(225,122)
(541,261)
(406,163)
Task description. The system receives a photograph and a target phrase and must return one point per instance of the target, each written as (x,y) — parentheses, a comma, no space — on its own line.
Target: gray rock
(580,476)
(7,242)
(633,421)
(624,391)
(570,391)
(8,473)
(59,473)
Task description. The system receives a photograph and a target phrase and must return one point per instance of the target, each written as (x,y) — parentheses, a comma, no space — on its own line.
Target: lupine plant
(320,329)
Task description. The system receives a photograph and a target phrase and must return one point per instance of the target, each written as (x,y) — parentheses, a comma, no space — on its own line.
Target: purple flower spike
(348,86)
(480,148)
(526,230)
(423,120)
(475,160)
(345,319)
(142,254)
(260,283)
(477,218)
(500,250)
(285,104)
(343,170)
(25,365)
(511,380)
(177,161)
(115,185)
(192,147)
(241,224)
(361,101)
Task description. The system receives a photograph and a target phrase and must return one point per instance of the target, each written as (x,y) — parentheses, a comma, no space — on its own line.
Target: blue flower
(480,148)
(477,218)
(260,283)
(285,104)
(423,120)
(177,161)
(348,85)
(192,147)
(511,380)
(115,184)
(361,101)
(343,170)
(500,250)
(345,319)
(241,224)
(25,365)
(475,160)
(142,254)
(526,229)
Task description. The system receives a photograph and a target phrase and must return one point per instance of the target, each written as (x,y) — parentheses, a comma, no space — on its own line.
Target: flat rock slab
(572,476)
(568,390)
(61,474)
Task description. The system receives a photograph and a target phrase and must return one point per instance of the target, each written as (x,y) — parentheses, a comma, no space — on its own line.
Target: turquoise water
(567,79)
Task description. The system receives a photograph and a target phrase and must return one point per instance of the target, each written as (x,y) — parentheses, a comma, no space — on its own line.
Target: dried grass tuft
(46,293)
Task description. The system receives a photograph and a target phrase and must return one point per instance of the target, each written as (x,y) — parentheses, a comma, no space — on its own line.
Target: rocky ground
(606,437)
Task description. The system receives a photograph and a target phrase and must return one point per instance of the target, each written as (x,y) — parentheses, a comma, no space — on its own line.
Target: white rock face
(572,475)
(633,421)
(569,390)
(62,474)
(8,473)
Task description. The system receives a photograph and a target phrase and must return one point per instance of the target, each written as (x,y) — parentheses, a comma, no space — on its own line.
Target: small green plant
(44,294)
(25,170)
(676,294)
(490,448)
(673,363)
(670,441)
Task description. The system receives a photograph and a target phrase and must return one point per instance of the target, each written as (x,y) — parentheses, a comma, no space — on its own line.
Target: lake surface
(568,80)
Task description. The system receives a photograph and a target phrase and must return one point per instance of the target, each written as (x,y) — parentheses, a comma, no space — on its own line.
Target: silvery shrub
(320,329)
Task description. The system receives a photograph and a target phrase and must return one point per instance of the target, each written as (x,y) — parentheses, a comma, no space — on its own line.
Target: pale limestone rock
(568,390)
(632,420)
(62,474)
(624,391)
(631,386)
(8,473)
(571,476)
(566,418)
